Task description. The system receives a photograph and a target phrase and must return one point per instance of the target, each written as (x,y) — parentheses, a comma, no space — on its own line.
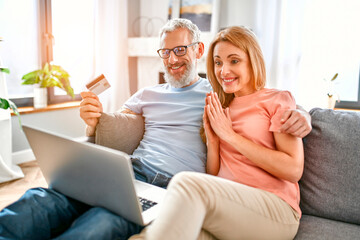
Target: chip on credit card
(98,85)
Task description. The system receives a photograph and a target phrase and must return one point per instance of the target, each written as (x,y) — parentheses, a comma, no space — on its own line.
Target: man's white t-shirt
(173,116)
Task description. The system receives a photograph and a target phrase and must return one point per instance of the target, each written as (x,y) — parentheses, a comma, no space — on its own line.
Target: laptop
(95,175)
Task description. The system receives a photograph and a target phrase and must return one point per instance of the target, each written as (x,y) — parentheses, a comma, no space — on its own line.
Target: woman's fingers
(217,103)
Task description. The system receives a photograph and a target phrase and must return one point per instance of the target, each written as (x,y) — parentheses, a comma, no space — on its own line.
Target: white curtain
(279,29)
(111,51)
(8,170)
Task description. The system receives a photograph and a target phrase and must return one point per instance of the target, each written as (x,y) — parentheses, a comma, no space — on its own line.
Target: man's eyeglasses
(178,51)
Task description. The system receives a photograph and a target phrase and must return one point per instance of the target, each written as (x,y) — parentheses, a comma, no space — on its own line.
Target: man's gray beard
(188,76)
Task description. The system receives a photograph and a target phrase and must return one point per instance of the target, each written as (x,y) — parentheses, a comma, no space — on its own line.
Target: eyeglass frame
(172,50)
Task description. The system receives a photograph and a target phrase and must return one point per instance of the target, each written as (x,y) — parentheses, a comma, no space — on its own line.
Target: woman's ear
(200,50)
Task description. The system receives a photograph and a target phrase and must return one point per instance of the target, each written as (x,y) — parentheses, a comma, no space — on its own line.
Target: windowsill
(347,109)
(52,107)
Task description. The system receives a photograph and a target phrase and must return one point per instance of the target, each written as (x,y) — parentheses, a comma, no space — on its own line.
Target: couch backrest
(329,187)
(120,131)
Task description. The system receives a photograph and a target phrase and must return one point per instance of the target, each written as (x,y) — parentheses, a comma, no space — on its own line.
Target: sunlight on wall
(74,40)
(331,44)
(19,50)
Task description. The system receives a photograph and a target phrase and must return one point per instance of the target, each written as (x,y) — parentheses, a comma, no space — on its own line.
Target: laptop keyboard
(146,204)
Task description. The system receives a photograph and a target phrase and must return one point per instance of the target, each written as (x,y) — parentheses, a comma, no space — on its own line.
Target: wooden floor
(13,190)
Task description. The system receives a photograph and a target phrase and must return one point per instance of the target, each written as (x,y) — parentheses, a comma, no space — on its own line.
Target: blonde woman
(254,193)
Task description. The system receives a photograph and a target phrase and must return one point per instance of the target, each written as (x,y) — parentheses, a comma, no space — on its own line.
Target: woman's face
(232,69)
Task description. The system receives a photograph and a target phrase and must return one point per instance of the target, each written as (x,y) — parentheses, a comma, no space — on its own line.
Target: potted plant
(8,170)
(5,103)
(49,76)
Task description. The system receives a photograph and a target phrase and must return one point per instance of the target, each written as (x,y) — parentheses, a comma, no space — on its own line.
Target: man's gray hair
(176,23)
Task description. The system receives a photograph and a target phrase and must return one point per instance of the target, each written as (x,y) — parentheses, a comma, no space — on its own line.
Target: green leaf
(5,70)
(46,69)
(66,83)
(31,75)
(334,77)
(70,91)
(4,104)
(29,81)
(50,76)
(15,110)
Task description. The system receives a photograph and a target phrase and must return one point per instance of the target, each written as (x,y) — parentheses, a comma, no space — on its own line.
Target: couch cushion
(330,184)
(120,131)
(316,228)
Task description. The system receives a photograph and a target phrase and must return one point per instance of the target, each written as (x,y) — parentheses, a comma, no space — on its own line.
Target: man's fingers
(90,101)
(87,94)
(293,128)
(90,108)
(290,118)
(91,115)
(296,122)
(92,104)
(300,132)
(289,122)
(298,129)
(305,130)
(89,112)
(286,115)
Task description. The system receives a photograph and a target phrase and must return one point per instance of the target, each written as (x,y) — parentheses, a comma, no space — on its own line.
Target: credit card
(98,85)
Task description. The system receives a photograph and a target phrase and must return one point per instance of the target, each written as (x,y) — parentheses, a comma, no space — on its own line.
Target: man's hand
(296,122)
(90,109)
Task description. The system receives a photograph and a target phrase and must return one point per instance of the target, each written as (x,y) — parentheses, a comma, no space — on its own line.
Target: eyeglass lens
(179,51)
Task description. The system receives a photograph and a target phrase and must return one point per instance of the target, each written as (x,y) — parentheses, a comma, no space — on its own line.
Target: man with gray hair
(171,144)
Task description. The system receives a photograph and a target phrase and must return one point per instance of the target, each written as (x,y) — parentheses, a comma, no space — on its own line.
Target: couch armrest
(120,131)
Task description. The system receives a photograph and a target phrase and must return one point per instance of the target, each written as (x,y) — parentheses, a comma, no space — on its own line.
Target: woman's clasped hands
(217,121)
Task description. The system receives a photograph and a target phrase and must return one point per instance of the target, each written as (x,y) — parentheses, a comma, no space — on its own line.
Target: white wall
(237,12)
(66,122)
(232,12)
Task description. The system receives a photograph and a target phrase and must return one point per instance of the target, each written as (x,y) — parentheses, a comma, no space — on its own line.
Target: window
(20,50)
(73,29)
(331,45)
(351,101)
(40,31)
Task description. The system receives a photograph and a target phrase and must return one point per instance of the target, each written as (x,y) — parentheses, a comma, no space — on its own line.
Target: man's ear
(200,50)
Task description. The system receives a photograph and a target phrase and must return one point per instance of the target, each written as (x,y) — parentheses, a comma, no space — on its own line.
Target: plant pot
(40,97)
(331,102)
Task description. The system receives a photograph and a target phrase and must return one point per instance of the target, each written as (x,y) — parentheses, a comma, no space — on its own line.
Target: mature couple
(252,139)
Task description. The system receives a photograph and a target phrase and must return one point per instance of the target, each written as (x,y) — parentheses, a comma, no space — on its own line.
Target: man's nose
(173,58)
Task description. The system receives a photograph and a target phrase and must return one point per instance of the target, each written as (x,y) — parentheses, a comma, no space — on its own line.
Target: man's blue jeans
(47,214)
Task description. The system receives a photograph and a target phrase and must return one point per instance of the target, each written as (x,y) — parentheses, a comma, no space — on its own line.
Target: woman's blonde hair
(244,39)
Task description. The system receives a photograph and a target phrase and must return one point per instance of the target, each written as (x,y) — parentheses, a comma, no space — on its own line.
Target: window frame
(46,40)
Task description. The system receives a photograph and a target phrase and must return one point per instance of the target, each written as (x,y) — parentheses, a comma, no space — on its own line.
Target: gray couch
(330,196)
(329,187)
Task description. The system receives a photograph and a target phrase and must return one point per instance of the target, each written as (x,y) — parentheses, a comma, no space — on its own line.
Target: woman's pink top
(256,117)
